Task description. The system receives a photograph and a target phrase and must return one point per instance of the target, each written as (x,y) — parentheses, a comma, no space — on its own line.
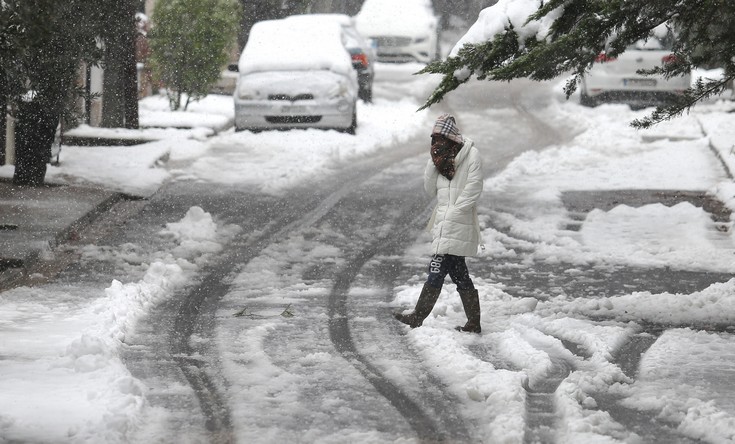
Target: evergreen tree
(579,30)
(189,43)
(42,43)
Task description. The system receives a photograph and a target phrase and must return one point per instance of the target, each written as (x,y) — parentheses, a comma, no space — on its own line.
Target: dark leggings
(455,266)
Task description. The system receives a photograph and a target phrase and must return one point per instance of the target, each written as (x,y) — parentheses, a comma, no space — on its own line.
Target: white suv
(294,75)
(402,30)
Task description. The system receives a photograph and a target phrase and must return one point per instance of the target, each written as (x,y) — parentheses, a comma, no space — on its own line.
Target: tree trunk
(113,98)
(120,91)
(130,84)
(3,129)
(352,7)
(34,133)
(3,119)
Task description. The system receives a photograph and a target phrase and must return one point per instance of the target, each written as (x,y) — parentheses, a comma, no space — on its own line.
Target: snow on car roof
(281,45)
(351,35)
(391,17)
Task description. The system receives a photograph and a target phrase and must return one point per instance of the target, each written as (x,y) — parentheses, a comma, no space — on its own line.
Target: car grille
(290,98)
(392,41)
(293,119)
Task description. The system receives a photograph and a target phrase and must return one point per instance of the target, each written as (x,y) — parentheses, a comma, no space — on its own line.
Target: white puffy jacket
(454,224)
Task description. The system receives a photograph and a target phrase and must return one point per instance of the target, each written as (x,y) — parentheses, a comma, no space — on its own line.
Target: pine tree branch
(565,37)
(701,91)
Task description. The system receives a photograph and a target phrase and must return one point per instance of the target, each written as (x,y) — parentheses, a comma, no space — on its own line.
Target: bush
(189,45)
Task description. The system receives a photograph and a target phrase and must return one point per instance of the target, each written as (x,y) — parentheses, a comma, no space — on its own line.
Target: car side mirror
(232,67)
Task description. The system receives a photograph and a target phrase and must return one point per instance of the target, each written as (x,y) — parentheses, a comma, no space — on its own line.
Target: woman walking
(454,176)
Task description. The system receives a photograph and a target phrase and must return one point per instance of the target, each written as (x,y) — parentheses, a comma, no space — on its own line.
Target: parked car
(361,50)
(295,75)
(617,79)
(227,81)
(403,31)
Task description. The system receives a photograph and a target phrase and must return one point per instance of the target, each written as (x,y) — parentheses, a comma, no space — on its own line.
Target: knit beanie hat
(447,127)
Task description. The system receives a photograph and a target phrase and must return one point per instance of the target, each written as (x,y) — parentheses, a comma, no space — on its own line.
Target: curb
(721,159)
(717,152)
(87,219)
(18,268)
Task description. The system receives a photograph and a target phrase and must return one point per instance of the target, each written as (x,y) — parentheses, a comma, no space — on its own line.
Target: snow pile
(682,368)
(709,307)
(137,170)
(527,195)
(680,236)
(197,235)
(149,133)
(132,169)
(62,371)
(201,119)
(493,398)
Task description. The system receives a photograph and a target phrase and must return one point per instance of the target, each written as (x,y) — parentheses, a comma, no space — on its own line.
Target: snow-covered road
(293,339)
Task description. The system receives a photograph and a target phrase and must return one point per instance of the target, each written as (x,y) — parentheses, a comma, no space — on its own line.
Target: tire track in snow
(427,428)
(646,424)
(540,403)
(196,314)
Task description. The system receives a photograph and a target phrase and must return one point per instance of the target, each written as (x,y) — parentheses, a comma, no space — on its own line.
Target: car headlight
(246,93)
(419,40)
(339,90)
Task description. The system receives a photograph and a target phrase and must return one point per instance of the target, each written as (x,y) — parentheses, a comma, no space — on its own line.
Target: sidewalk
(34,220)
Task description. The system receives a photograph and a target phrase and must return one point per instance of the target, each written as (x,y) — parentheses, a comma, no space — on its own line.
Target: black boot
(425,304)
(471,304)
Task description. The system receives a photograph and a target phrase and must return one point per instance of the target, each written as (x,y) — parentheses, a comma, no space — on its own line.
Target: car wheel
(351,129)
(586,100)
(367,94)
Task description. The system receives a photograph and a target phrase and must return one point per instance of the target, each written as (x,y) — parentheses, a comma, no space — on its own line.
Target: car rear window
(661,38)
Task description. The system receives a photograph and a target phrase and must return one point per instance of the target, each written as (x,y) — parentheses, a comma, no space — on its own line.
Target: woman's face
(440,143)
